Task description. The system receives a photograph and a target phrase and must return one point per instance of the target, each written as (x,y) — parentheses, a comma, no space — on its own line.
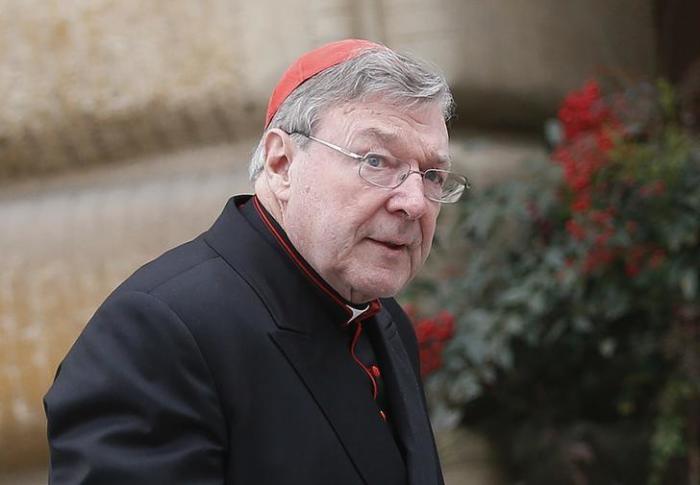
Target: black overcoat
(222,362)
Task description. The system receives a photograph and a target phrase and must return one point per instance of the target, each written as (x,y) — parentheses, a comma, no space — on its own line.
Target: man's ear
(279,155)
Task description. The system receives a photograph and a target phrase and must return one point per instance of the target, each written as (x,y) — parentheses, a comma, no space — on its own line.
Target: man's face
(366,241)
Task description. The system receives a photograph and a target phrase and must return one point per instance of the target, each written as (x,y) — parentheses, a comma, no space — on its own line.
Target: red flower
(633,260)
(653,189)
(429,361)
(598,257)
(575,229)
(658,257)
(603,238)
(583,111)
(580,161)
(603,218)
(425,330)
(631,269)
(445,323)
(643,256)
(605,142)
(432,333)
(589,125)
(582,202)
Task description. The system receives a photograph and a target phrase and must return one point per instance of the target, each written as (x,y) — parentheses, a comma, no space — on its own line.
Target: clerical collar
(353,311)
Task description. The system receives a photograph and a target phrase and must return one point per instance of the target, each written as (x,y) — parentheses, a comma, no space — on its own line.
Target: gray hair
(377,71)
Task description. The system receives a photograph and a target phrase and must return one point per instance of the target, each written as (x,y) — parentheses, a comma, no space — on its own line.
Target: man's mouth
(393,245)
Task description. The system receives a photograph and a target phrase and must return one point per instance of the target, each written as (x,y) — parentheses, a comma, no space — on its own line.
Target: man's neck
(274,208)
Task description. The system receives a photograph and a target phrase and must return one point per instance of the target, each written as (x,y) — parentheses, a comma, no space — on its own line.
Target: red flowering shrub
(579,281)
(590,157)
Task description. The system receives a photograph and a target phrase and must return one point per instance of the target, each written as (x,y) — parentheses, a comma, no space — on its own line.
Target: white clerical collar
(356,312)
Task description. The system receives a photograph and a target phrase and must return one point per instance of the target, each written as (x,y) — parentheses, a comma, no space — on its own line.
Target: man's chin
(371,288)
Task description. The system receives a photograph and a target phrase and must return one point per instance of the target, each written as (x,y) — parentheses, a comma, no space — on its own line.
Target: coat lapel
(407,406)
(322,362)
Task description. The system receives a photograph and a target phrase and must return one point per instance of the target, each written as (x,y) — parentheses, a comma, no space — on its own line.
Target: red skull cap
(310,64)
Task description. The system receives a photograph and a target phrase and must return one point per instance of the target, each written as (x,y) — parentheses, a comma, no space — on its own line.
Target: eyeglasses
(388,172)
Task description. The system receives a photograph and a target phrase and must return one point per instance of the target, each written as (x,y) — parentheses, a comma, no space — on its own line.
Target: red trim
(310,273)
(355,338)
(374,307)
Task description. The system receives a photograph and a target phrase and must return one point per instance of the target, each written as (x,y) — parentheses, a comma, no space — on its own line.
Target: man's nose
(409,197)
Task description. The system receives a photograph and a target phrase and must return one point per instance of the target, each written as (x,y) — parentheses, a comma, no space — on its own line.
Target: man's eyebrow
(444,161)
(388,137)
(381,135)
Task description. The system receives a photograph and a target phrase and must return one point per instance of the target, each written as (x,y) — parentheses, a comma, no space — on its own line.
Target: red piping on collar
(374,305)
(355,338)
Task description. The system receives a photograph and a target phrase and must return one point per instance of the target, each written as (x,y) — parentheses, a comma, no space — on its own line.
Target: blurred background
(559,315)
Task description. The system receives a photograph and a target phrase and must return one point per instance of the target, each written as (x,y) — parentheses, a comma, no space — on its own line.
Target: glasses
(388,172)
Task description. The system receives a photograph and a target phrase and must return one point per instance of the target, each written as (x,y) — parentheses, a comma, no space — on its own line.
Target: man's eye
(435,177)
(376,161)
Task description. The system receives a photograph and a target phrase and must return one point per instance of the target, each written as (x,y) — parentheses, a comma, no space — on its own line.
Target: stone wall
(86,82)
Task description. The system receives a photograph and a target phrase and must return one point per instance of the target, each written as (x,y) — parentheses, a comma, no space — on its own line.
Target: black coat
(221,362)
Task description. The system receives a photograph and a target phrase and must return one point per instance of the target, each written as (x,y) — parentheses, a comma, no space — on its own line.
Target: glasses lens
(443,186)
(389,172)
(383,171)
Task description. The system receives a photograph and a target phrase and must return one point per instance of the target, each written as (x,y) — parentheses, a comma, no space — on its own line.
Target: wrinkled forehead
(400,129)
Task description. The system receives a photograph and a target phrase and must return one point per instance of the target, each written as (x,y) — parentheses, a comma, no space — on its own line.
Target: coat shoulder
(171,265)
(193,280)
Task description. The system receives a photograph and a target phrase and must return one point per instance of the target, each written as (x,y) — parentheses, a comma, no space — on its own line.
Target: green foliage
(669,438)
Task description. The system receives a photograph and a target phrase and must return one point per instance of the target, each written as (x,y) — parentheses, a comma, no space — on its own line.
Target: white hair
(376,72)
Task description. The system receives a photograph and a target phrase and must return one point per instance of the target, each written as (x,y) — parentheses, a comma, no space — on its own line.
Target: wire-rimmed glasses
(389,172)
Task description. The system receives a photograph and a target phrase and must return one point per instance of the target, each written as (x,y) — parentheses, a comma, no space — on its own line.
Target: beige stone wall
(90,81)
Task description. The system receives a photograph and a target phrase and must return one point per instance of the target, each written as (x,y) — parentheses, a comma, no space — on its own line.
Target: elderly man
(269,349)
